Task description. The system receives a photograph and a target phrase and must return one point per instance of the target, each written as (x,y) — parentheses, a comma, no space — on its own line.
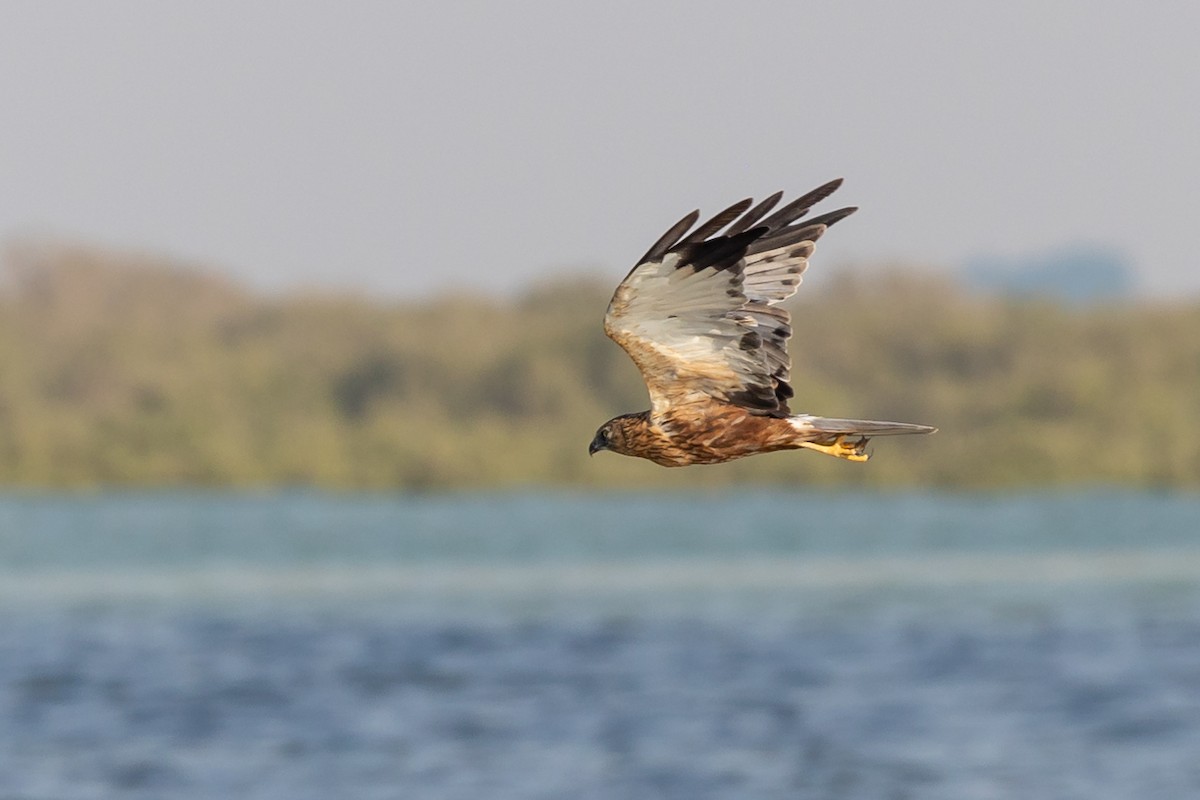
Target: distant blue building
(1080,274)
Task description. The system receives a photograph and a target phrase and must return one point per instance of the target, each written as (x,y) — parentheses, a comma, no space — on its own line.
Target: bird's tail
(847,438)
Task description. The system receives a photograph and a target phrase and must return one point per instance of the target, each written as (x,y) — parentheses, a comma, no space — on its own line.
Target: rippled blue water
(533,646)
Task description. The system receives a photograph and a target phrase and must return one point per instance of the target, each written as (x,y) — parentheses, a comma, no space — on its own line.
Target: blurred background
(301,348)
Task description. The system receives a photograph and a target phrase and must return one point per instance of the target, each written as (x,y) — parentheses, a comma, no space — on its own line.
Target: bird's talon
(852,451)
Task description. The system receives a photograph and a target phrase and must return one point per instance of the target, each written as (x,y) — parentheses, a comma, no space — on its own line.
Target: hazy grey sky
(416,147)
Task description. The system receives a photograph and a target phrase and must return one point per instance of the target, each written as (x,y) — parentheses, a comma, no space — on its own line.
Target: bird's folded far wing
(698,314)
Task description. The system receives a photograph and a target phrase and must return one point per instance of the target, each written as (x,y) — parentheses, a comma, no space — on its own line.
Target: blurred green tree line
(119,370)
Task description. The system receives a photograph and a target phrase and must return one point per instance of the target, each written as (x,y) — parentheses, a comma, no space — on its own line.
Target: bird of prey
(700,317)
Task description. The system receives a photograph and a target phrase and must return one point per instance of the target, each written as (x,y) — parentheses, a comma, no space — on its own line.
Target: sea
(744,644)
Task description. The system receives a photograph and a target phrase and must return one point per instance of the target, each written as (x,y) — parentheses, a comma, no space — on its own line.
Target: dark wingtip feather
(824,190)
(670,238)
(718,222)
(755,214)
(832,217)
(800,206)
(829,188)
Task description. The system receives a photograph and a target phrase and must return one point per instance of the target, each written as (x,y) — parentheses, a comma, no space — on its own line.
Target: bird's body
(688,436)
(699,316)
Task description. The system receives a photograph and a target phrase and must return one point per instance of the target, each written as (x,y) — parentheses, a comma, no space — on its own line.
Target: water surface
(301,645)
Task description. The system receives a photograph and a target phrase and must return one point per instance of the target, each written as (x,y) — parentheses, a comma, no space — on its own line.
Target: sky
(409,149)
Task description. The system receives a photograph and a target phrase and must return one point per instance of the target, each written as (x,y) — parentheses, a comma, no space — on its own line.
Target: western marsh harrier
(700,317)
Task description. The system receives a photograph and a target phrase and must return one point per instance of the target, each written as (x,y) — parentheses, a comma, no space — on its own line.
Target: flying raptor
(700,317)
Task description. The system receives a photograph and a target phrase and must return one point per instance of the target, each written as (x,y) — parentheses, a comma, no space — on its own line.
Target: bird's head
(617,434)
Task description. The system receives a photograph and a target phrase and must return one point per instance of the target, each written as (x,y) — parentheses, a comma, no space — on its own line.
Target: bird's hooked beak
(596,446)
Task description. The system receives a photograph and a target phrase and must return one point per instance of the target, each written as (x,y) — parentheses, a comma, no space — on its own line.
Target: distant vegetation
(118,371)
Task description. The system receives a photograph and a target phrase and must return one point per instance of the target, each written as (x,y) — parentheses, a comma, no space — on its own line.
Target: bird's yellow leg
(851,451)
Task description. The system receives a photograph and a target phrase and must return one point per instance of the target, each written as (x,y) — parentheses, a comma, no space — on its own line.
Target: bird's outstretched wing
(699,314)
